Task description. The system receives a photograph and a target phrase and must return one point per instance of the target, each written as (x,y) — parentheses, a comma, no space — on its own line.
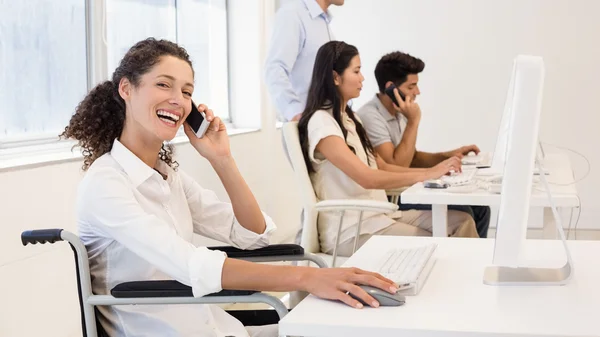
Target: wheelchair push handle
(41,236)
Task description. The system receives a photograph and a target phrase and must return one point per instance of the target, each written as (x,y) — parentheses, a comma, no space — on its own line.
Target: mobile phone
(197,121)
(390,92)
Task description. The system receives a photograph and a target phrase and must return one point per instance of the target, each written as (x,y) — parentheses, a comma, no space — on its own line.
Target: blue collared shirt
(300,29)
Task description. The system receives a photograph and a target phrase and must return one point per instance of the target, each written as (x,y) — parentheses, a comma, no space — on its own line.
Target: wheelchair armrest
(166,288)
(271,250)
(41,236)
(272,253)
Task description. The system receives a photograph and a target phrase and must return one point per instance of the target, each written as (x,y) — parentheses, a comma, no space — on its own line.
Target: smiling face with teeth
(157,106)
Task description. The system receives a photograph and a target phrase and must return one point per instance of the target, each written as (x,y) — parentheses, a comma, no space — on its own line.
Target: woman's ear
(336,78)
(124,88)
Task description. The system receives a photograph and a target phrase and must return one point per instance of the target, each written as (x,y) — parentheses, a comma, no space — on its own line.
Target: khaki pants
(416,223)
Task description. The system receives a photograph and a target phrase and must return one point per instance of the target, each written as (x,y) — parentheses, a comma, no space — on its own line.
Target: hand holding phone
(207,133)
(390,92)
(197,121)
(407,107)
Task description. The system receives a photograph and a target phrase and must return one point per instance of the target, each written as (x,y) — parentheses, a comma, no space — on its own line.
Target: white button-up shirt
(138,226)
(330,182)
(300,29)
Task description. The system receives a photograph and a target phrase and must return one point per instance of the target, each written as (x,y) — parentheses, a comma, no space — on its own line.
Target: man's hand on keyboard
(463,151)
(335,283)
(449,165)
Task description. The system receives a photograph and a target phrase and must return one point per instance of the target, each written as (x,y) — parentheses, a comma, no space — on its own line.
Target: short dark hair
(396,67)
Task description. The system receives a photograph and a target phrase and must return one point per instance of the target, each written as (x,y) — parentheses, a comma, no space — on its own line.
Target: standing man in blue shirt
(301,27)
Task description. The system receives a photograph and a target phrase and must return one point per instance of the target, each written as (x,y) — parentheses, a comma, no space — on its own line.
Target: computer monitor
(521,147)
(499,154)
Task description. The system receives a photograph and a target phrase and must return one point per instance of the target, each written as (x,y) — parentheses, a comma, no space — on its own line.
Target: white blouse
(330,182)
(137,226)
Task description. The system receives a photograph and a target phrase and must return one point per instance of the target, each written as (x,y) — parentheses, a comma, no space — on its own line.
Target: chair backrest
(310,233)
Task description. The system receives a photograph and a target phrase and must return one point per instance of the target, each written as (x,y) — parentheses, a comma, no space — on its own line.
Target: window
(42,67)
(48,60)
(200,26)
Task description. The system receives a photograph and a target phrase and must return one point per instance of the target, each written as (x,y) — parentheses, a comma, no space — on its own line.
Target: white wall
(468,47)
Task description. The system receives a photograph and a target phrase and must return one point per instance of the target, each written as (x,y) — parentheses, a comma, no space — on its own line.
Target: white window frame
(39,150)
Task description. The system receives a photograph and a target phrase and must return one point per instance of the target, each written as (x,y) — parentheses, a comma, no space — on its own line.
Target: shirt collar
(315,10)
(383,110)
(133,166)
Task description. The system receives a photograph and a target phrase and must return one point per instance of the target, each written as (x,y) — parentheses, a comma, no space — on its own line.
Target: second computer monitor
(499,156)
(521,145)
(500,151)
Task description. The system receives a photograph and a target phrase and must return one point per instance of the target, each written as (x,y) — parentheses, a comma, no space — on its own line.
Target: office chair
(311,206)
(169,291)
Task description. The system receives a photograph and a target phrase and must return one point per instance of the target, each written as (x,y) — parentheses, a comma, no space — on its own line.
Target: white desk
(560,178)
(454,301)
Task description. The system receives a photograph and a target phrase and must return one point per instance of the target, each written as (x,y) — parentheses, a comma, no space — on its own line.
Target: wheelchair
(170,291)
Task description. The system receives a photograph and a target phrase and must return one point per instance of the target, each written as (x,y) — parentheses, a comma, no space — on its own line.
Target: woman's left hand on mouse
(215,142)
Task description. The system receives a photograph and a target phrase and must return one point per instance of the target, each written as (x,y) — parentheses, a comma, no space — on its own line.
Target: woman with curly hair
(137,213)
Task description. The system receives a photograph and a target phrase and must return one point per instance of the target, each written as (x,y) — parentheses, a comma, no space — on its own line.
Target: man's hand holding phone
(404,105)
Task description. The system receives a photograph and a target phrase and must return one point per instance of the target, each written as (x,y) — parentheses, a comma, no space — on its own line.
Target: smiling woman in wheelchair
(137,212)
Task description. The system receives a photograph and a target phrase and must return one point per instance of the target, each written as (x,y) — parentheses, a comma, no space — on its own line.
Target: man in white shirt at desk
(392,129)
(301,27)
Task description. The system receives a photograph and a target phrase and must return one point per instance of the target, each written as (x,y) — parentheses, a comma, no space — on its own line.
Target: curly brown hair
(100,117)
(395,67)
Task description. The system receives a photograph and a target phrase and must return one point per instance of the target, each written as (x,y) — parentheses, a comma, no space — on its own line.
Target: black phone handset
(390,92)
(197,121)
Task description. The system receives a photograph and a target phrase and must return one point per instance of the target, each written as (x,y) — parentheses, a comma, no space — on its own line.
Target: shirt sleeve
(375,126)
(215,219)
(286,42)
(321,125)
(107,204)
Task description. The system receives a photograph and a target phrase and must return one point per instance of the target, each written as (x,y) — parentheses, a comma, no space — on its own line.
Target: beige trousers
(416,223)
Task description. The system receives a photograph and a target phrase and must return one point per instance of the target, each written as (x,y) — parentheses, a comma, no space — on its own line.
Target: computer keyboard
(464,178)
(408,267)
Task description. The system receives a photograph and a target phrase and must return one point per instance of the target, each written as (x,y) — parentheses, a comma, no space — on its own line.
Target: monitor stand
(520,276)
(531,276)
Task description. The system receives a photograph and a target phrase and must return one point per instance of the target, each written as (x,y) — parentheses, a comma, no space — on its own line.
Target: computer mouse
(435,183)
(384,298)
